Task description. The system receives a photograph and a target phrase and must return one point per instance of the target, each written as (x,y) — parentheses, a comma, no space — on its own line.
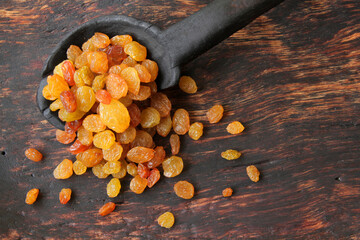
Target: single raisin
(90,157)
(235,127)
(83,76)
(56,85)
(136,51)
(122,172)
(164,127)
(113,154)
(98,170)
(112,167)
(116,86)
(184,189)
(187,84)
(78,147)
(104,139)
(166,220)
(100,40)
(64,170)
(140,154)
(33,154)
(65,195)
(117,69)
(129,61)
(173,166)
(138,184)
(72,127)
(143,73)
(181,121)
(143,170)
(99,82)
(196,130)
(135,115)
(31,196)
(215,113)
(81,61)
(132,79)
(115,54)
(127,101)
(227,192)
(68,70)
(85,136)
(127,136)
(56,105)
(152,67)
(115,116)
(85,98)
(103,96)
(161,102)
(69,117)
(144,93)
(253,173)
(79,168)
(131,169)
(68,100)
(142,139)
(159,157)
(107,208)
(64,137)
(121,40)
(175,144)
(153,177)
(113,187)
(231,154)
(93,123)
(150,117)
(73,52)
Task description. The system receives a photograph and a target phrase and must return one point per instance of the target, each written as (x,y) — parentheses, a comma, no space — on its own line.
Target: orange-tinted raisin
(33,154)
(113,187)
(81,60)
(83,76)
(90,157)
(78,147)
(115,116)
(142,139)
(131,169)
(235,127)
(104,139)
(181,121)
(115,54)
(253,173)
(215,113)
(99,82)
(140,154)
(64,170)
(164,127)
(136,51)
(56,85)
(79,168)
(138,184)
(132,79)
(143,73)
(196,130)
(93,123)
(68,70)
(64,195)
(98,170)
(72,127)
(227,192)
(150,117)
(31,196)
(100,40)
(85,98)
(144,93)
(73,52)
(121,40)
(159,157)
(172,166)
(143,170)
(107,208)
(175,144)
(64,137)
(129,61)
(116,86)
(187,84)
(153,177)
(98,62)
(152,67)
(184,189)
(68,116)
(84,136)
(114,153)
(117,69)
(68,100)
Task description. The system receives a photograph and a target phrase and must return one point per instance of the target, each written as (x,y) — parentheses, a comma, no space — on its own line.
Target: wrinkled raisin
(33,154)
(99,82)
(181,121)
(81,61)
(164,127)
(127,136)
(138,184)
(153,177)
(79,168)
(144,93)
(83,76)
(68,71)
(142,139)
(56,85)
(56,105)
(115,116)
(173,166)
(113,188)
(115,54)
(150,117)
(152,67)
(64,170)
(184,189)
(187,84)
(166,220)
(78,147)
(98,170)
(103,96)
(135,115)
(227,192)
(161,102)
(175,144)
(73,52)
(235,127)
(136,51)
(116,86)
(122,172)
(107,208)
(31,196)
(196,130)
(129,61)
(117,69)
(93,123)
(159,157)
(65,195)
(143,170)
(132,79)
(121,40)
(140,154)
(253,173)
(114,153)
(215,113)
(104,139)
(231,154)
(143,73)
(68,100)
(64,137)
(85,136)
(131,169)
(127,101)
(72,127)
(112,167)
(69,117)
(85,98)
(90,157)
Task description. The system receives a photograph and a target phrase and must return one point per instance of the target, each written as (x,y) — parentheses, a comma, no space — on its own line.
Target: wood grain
(291,76)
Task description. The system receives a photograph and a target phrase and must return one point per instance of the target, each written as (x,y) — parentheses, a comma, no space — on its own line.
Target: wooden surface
(291,76)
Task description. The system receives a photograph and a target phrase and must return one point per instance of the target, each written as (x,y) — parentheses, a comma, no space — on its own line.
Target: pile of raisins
(106,94)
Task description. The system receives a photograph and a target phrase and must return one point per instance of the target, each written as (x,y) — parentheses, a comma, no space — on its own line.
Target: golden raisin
(143,73)
(64,170)
(114,153)
(231,154)
(164,127)
(173,166)
(227,192)
(47,95)
(93,123)
(161,102)
(31,196)
(56,105)
(166,220)
(116,86)
(153,177)
(104,139)
(65,195)
(115,116)
(107,208)
(33,154)
(121,40)
(117,69)
(175,144)
(196,130)
(79,168)
(113,188)
(142,139)
(129,61)
(253,173)
(83,76)
(98,170)
(152,67)
(181,121)
(69,117)
(112,167)
(64,137)
(140,154)
(122,172)
(136,51)
(138,184)
(184,189)
(99,82)
(68,71)
(150,117)
(72,127)
(127,136)
(100,40)
(215,113)
(235,127)
(90,157)
(132,79)
(187,84)
(58,69)
(144,93)
(73,52)
(103,96)
(56,85)
(85,136)
(98,62)
(131,169)
(81,60)
(85,98)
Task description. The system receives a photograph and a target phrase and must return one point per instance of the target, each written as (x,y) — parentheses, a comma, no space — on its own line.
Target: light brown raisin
(140,154)
(215,113)
(187,84)
(253,173)
(138,184)
(196,130)
(164,127)
(235,127)
(150,117)
(184,189)
(173,166)
(161,102)
(231,154)
(175,144)
(181,121)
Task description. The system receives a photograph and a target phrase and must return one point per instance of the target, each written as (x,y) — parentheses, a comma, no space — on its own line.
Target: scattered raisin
(187,84)
(166,220)
(78,147)
(181,121)
(175,144)
(253,173)
(64,170)
(231,154)
(65,195)
(113,154)
(31,196)
(196,130)
(173,166)
(104,139)
(140,154)
(79,168)
(184,189)
(33,154)
(107,208)
(113,188)
(235,127)
(227,192)
(136,51)
(215,113)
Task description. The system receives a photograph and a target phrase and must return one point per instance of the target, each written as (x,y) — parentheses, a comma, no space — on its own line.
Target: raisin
(46,93)
(107,208)
(143,73)
(173,166)
(135,115)
(85,98)
(93,123)
(58,70)
(231,154)
(140,154)
(136,51)
(181,121)
(152,67)
(166,220)
(56,105)
(113,188)
(65,195)
(81,61)
(116,86)
(90,157)
(72,127)
(227,192)
(64,170)
(152,86)
(150,117)
(184,189)
(132,79)
(175,144)
(138,184)
(69,117)
(64,137)
(112,167)
(84,136)
(196,130)
(78,147)
(142,139)
(115,54)
(98,62)
(253,173)
(187,84)
(73,52)
(117,69)
(127,101)
(215,113)
(31,196)
(129,61)
(68,71)
(143,170)
(131,169)
(159,157)
(33,154)
(89,46)
(235,127)
(164,127)
(153,177)
(122,172)
(121,40)
(114,153)
(151,131)
(56,85)
(104,139)
(144,93)
(83,76)
(100,40)
(68,100)
(98,170)
(79,168)
(99,82)
(127,136)
(161,102)
(115,116)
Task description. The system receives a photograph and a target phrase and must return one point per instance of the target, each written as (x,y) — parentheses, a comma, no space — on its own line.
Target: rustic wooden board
(292,77)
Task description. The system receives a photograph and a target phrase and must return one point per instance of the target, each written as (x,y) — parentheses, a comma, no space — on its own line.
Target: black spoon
(170,48)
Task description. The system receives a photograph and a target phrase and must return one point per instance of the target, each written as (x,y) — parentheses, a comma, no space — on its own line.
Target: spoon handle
(206,28)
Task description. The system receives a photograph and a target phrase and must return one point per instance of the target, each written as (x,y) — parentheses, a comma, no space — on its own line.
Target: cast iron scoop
(170,48)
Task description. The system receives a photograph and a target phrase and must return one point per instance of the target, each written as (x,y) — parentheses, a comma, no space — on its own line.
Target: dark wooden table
(291,76)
